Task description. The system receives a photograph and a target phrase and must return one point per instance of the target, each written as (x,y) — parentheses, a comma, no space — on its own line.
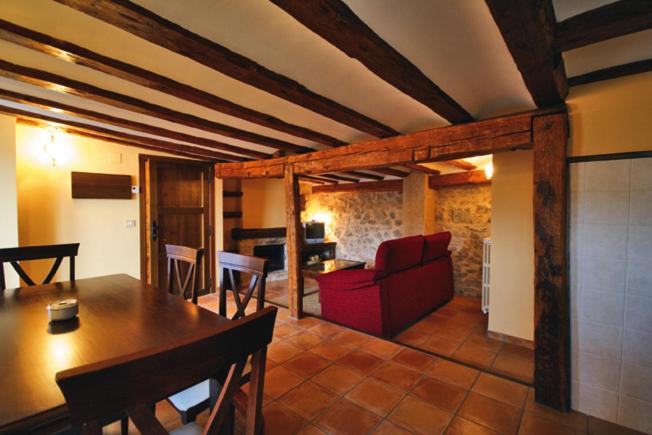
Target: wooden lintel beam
(528,28)
(612,72)
(457,141)
(369,186)
(334,21)
(72,53)
(461,164)
(145,24)
(609,21)
(126,123)
(457,179)
(49,80)
(421,168)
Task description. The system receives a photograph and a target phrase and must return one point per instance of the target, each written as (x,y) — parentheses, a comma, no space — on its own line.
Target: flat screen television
(314,232)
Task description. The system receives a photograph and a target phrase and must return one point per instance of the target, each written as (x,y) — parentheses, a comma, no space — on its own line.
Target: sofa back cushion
(436,245)
(398,254)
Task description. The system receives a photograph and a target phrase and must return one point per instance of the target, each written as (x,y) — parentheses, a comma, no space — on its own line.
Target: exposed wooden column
(294,241)
(552,315)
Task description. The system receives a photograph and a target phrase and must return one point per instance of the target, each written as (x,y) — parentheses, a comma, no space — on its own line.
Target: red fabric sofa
(412,276)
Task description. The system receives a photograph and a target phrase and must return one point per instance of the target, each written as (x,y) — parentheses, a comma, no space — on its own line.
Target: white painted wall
(8,201)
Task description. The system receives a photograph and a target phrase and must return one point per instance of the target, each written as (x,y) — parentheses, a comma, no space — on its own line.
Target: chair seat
(188,429)
(192,396)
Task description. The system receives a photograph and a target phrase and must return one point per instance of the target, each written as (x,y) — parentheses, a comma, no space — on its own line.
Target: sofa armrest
(347,279)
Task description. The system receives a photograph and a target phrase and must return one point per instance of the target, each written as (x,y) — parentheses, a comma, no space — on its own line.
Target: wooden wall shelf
(232,214)
(257,233)
(231,194)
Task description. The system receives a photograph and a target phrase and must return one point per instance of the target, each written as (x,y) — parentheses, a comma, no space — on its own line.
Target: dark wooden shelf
(231,194)
(257,233)
(232,214)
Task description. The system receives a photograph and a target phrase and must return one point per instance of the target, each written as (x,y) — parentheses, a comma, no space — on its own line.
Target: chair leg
(124,425)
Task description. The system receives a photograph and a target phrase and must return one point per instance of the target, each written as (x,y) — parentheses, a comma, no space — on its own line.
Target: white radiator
(486,271)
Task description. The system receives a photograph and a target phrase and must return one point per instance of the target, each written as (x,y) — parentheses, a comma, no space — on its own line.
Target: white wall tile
(636,414)
(640,242)
(599,339)
(642,174)
(608,175)
(606,207)
(636,347)
(603,274)
(602,307)
(640,207)
(594,401)
(639,277)
(638,313)
(596,370)
(602,240)
(637,381)
(577,172)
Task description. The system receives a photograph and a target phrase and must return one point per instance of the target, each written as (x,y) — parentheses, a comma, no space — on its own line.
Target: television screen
(315,231)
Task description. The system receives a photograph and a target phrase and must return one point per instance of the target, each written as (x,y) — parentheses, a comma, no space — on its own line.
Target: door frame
(209,226)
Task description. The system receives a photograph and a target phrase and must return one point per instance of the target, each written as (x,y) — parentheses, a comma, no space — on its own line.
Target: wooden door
(180,213)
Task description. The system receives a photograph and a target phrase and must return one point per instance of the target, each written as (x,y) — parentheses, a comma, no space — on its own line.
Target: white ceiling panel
(569,8)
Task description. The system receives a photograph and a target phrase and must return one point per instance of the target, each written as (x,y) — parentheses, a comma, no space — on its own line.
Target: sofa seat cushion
(347,279)
(436,245)
(398,254)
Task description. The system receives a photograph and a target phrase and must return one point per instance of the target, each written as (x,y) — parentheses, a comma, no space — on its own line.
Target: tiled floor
(458,330)
(323,378)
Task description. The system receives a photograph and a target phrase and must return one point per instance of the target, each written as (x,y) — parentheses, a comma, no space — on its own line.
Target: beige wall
(48,214)
(511,309)
(9,215)
(263,203)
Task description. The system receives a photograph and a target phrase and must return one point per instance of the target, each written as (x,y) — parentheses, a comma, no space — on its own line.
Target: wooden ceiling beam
(147,25)
(125,123)
(49,80)
(72,53)
(438,144)
(612,72)
(316,180)
(421,168)
(334,21)
(368,186)
(339,178)
(528,28)
(457,179)
(146,142)
(366,175)
(392,172)
(606,22)
(461,164)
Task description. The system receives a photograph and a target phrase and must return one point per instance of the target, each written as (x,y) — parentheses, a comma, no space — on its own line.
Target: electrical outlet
(135,189)
(131,223)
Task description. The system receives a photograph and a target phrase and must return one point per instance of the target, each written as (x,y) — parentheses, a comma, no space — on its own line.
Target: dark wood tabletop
(331,265)
(118,315)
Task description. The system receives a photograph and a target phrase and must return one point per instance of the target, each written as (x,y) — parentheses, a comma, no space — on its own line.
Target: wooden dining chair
(130,384)
(25,253)
(180,258)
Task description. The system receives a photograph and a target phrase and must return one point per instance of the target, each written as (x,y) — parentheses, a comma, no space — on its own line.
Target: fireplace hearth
(274,253)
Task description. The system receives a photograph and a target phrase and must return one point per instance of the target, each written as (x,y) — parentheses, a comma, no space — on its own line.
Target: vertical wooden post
(294,242)
(551,300)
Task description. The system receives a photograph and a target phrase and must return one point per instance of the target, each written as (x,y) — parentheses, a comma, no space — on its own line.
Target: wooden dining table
(118,315)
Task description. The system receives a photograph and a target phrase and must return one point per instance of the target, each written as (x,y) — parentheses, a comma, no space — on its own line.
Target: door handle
(155,229)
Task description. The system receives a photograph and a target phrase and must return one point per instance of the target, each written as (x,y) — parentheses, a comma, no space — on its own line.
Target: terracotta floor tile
(375,396)
(337,379)
(382,348)
(305,340)
(420,417)
(279,381)
(476,356)
(497,388)
(305,322)
(462,426)
(491,413)
(573,419)
(396,375)
(351,338)
(442,346)
(285,331)
(482,341)
(442,394)
(307,364)
(453,331)
(326,329)
(414,359)
(360,362)
(331,350)
(454,373)
(345,417)
(602,427)
(411,337)
(517,351)
(311,430)
(308,400)
(534,425)
(280,420)
(281,352)
(519,368)
(389,428)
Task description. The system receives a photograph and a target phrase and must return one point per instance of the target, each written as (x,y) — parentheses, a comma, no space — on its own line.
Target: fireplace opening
(274,253)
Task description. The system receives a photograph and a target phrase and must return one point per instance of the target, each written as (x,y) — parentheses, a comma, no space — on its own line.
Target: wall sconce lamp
(50,147)
(489,170)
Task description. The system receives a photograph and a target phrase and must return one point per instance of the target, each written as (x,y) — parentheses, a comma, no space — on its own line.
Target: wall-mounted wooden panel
(86,185)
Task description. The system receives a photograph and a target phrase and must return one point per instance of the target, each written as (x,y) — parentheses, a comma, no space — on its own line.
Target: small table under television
(331,265)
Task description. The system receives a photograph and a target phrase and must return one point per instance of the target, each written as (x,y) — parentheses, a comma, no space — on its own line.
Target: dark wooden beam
(316,180)
(612,72)
(528,28)
(182,151)
(393,172)
(48,80)
(609,21)
(147,25)
(146,142)
(457,179)
(72,53)
(125,123)
(339,177)
(257,233)
(461,164)
(421,168)
(231,194)
(232,214)
(552,310)
(366,175)
(334,21)
(369,186)
(294,241)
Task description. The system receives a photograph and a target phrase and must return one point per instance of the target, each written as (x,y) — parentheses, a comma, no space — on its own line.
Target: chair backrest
(24,253)
(192,258)
(256,267)
(132,383)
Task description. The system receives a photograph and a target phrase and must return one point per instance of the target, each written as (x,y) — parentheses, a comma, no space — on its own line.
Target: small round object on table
(63,310)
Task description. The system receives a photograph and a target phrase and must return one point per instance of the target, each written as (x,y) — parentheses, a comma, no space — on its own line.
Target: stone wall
(465,211)
(357,221)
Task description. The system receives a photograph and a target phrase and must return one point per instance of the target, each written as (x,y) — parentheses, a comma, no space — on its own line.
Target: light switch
(131,223)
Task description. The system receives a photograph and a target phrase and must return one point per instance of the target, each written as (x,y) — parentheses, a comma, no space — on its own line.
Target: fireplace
(274,253)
